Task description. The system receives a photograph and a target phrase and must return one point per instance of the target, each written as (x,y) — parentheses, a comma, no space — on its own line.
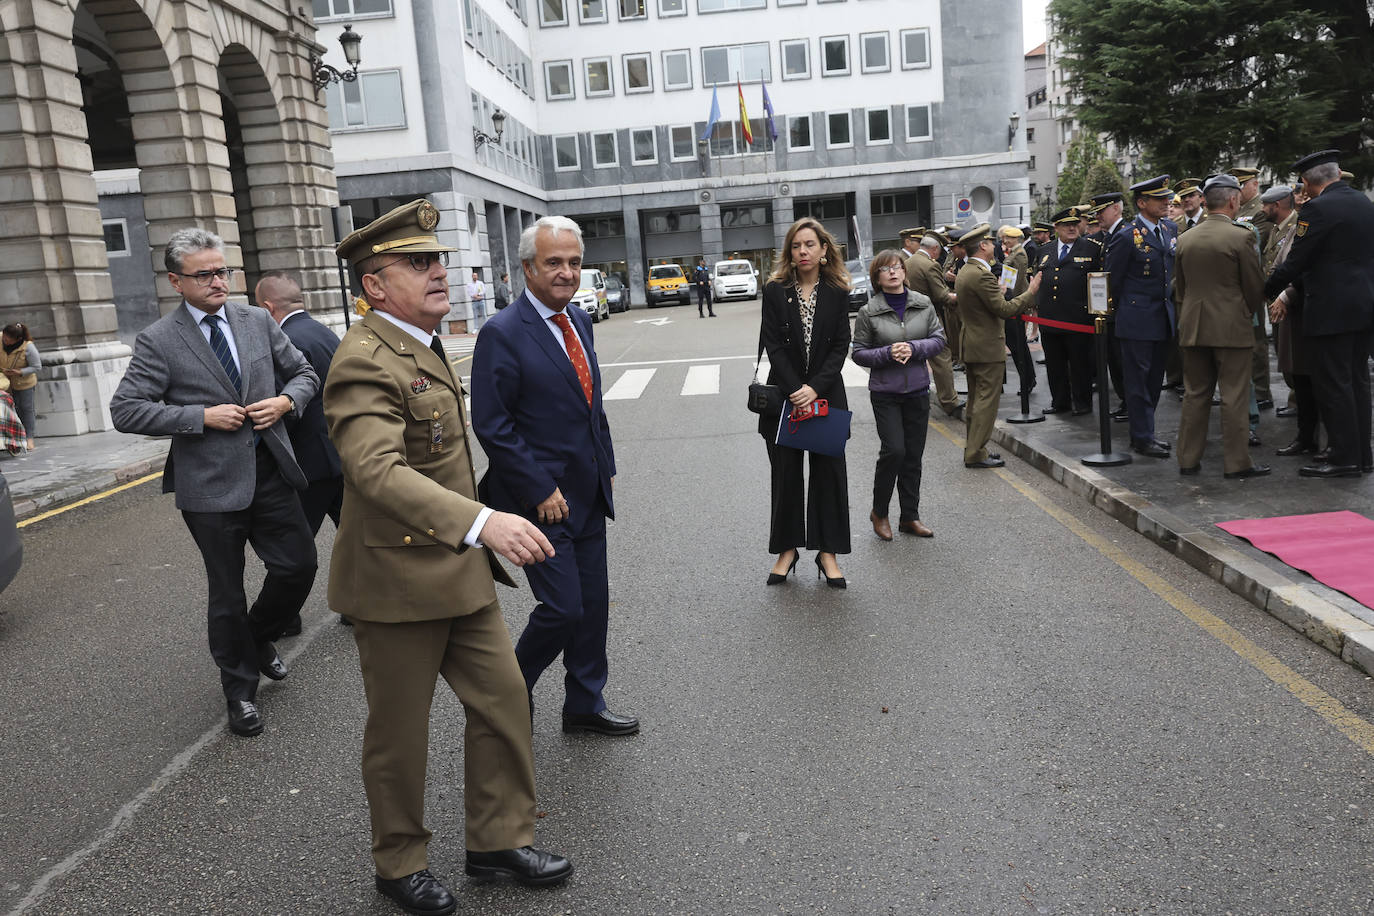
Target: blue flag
(713,118)
(768,109)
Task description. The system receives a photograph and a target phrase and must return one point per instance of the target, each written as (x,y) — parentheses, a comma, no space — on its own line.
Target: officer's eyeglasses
(204,277)
(891,269)
(420,261)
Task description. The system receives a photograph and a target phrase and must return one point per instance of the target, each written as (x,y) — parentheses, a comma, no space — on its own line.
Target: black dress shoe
(1255,439)
(244,719)
(1164,443)
(1295,448)
(526,865)
(1367,469)
(1080,411)
(1192,470)
(1052,410)
(1286,412)
(420,893)
(1322,456)
(270,663)
(1120,413)
(293,628)
(995,455)
(958,412)
(1329,470)
(1265,403)
(988,462)
(1149,448)
(603,723)
(1254,470)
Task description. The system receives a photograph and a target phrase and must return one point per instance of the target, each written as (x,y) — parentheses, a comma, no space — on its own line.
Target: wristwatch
(291,402)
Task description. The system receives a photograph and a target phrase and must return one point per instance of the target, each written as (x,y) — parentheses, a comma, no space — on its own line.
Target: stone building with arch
(122,121)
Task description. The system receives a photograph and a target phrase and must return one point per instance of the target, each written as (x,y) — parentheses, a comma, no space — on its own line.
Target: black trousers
(704,298)
(1070,367)
(1015,330)
(902,420)
(274,524)
(321,498)
(1114,363)
(1340,381)
(1300,385)
(821,520)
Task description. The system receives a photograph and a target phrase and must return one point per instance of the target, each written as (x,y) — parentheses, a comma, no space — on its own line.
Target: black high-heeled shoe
(778,578)
(837,582)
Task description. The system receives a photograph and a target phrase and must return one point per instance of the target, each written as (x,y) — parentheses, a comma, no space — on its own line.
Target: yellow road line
(89,499)
(1310,695)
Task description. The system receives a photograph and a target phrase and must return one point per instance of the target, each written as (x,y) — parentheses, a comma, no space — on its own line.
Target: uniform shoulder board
(1097,242)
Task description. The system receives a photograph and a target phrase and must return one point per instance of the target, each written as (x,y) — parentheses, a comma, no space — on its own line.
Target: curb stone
(32,505)
(1321,618)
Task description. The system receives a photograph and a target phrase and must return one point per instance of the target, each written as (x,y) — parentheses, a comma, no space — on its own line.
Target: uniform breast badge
(436,436)
(420,385)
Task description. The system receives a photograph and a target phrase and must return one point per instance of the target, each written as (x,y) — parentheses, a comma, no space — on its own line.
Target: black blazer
(1063,292)
(1330,262)
(780,333)
(310,434)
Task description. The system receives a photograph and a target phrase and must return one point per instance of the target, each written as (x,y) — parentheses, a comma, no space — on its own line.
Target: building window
(684,141)
(558,80)
(633,9)
(644,146)
(1030,136)
(723,65)
(835,55)
(373,102)
(1031,166)
(597,71)
(740,217)
(116,238)
(637,74)
(565,158)
(918,122)
(799,133)
(592,11)
(552,12)
(795,57)
(879,126)
(672,221)
(915,48)
(672,8)
(677,70)
(351,9)
(873,47)
(602,227)
(892,204)
(604,150)
(718,6)
(837,129)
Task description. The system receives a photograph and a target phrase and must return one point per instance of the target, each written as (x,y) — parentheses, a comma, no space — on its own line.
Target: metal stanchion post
(343,275)
(1025,416)
(1105,458)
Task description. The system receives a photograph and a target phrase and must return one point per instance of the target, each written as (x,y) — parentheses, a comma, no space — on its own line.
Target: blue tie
(220,344)
(1063,253)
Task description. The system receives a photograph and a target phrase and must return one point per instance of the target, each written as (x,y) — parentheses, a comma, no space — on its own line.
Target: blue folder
(823,435)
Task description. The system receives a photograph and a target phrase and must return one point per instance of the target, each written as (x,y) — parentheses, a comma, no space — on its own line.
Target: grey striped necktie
(220,344)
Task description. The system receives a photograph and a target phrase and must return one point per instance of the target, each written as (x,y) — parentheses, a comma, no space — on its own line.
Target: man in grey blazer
(205,374)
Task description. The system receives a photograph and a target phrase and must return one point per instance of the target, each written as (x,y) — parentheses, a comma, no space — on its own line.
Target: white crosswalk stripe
(702,380)
(699,379)
(630,385)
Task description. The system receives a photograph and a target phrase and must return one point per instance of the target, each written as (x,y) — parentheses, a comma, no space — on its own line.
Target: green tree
(1083,153)
(1102,178)
(1204,84)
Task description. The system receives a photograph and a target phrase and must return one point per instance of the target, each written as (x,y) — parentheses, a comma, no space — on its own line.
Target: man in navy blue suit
(1140,262)
(536,409)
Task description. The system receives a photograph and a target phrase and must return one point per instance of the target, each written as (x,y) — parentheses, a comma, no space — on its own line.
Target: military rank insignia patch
(419,385)
(1302,227)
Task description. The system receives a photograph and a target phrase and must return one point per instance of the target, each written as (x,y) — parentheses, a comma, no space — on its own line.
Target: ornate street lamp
(1012,123)
(325,74)
(498,126)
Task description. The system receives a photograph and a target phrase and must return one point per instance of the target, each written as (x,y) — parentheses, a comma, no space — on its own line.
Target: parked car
(734,279)
(591,295)
(617,296)
(860,290)
(667,284)
(11,546)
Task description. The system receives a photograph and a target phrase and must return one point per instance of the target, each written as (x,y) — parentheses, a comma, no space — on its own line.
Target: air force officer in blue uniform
(536,409)
(1140,261)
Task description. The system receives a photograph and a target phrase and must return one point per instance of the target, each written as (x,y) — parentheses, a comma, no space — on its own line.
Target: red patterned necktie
(576,354)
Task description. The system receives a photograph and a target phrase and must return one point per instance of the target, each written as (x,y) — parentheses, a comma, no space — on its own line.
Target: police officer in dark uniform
(1064,297)
(1140,261)
(1333,265)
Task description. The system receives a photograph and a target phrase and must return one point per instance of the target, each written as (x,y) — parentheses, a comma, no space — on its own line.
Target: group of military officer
(1187,312)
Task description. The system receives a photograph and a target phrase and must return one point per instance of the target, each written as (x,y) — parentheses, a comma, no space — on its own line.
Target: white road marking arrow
(656,322)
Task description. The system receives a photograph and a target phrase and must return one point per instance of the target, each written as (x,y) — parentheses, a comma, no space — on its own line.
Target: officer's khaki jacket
(983,310)
(1217,284)
(397,418)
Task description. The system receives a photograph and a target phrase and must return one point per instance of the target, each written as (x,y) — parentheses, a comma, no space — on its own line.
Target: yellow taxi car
(667,284)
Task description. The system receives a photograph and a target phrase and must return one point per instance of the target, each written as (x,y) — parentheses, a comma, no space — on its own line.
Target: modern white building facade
(889,113)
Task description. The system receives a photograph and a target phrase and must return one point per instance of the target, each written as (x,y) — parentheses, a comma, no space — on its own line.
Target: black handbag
(764,399)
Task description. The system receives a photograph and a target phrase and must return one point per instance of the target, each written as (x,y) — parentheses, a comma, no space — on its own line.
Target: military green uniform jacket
(1020,262)
(927,277)
(983,310)
(1217,284)
(396,416)
(1271,248)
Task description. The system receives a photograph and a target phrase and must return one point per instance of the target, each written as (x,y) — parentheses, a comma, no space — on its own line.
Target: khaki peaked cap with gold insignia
(408,228)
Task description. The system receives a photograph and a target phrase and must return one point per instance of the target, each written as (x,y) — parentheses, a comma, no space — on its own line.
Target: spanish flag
(744,115)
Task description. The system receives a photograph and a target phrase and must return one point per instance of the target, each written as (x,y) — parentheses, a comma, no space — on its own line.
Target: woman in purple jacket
(894,335)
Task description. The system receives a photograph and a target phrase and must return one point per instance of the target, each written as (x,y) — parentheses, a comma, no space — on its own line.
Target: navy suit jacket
(1141,272)
(532,419)
(310,434)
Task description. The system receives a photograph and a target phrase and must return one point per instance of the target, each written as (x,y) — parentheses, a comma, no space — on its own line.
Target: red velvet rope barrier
(1061,325)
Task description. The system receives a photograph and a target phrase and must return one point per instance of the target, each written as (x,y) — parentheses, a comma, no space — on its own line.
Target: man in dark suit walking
(1331,263)
(206,375)
(536,409)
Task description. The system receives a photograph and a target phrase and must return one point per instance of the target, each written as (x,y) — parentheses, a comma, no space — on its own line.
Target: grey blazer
(174,376)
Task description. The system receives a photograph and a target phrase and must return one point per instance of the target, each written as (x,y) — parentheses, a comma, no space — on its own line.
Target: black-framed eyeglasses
(420,261)
(204,277)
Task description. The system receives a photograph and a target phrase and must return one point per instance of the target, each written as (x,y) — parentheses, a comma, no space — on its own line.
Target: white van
(734,279)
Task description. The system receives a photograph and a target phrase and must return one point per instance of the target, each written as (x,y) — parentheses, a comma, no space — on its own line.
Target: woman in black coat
(805,331)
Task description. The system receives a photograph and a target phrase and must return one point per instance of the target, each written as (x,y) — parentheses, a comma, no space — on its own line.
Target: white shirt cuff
(472,539)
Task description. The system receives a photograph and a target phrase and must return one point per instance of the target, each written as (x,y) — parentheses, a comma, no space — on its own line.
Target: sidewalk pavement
(1180,513)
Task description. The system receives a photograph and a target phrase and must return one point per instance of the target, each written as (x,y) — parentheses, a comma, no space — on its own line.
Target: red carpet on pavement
(1335,548)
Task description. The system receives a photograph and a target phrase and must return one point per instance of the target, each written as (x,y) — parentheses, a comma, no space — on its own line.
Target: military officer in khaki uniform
(1217,287)
(925,276)
(414,569)
(1252,212)
(1189,191)
(984,310)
